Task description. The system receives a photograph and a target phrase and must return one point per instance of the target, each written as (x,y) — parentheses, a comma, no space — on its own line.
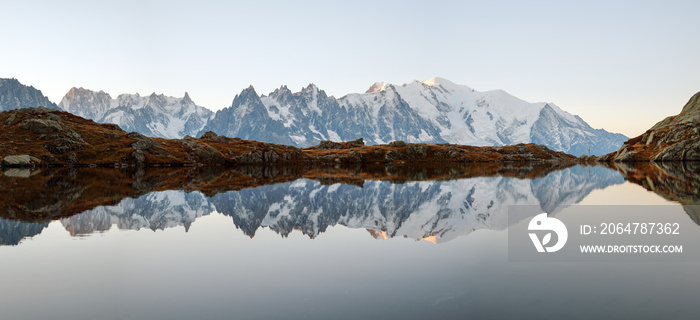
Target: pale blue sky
(620,65)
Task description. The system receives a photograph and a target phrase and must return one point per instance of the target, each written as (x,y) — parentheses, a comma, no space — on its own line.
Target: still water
(300,243)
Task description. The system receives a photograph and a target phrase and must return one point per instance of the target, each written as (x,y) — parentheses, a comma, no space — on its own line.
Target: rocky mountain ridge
(676,138)
(14,95)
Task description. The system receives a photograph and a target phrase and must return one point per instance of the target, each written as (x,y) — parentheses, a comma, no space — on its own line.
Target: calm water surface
(91,245)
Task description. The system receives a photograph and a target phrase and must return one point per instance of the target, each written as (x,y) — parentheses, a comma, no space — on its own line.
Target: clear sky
(620,65)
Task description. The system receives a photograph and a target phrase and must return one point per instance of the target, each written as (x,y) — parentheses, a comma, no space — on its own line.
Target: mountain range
(432,111)
(153,116)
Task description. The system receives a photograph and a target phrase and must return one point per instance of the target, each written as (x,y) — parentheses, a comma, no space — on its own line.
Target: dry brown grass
(108,145)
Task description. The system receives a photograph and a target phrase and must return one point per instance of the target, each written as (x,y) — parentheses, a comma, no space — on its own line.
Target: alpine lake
(378,242)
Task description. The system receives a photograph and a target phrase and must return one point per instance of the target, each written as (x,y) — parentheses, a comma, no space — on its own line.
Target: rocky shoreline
(42,137)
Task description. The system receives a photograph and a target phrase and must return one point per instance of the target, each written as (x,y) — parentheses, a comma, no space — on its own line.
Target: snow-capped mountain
(248,118)
(433,210)
(15,95)
(432,111)
(154,115)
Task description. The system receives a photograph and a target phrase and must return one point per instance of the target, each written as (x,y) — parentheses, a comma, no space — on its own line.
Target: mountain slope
(14,95)
(676,138)
(432,111)
(154,116)
(248,117)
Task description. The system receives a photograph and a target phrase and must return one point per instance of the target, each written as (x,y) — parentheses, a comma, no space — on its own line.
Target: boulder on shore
(23,160)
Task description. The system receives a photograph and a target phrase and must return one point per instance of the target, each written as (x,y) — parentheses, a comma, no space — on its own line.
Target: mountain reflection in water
(434,203)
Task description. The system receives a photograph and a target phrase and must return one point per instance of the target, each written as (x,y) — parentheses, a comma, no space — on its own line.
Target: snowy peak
(437,81)
(157,100)
(431,111)
(186,100)
(446,85)
(156,115)
(377,86)
(86,103)
(246,102)
(281,94)
(155,96)
(310,88)
(246,117)
(432,81)
(247,94)
(310,92)
(299,118)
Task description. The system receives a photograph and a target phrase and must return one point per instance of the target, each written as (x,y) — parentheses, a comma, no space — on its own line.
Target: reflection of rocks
(56,193)
(573,185)
(432,210)
(466,198)
(435,210)
(19,173)
(693,212)
(673,181)
(51,193)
